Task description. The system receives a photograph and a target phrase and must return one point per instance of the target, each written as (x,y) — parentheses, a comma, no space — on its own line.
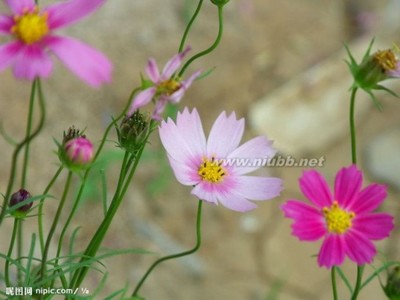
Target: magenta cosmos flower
(199,163)
(345,221)
(33,36)
(165,87)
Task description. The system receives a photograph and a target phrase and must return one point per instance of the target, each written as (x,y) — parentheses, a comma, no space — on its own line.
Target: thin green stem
(10,250)
(189,25)
(333,279)
(28,133)
(353,126)
(40,209)
(173,256)
(357,288)
(212,47)
(54,225)
(19,147)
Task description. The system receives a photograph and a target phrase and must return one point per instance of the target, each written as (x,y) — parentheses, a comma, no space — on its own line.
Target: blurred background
(281,66)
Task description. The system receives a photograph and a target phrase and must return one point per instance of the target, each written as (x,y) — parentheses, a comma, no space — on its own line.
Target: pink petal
(185,173)
(315,188)
(225,135)
(359,249)
(375,226)
(191,129)
(308,223)
(87,63)
(253,153)
(175,142)
(8,53)
(236,202)
(32,62)
(258,188)
(332,251)
(68,12)
(18,6)
(369,199)
(173,65)
(205,191)
(152,70)
(6,22)
(347,185)
(159,109)
(177,95)
(142,99)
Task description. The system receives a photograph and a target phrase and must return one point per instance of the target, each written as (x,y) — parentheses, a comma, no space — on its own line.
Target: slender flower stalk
(27,139)
(173,256)
(53,227)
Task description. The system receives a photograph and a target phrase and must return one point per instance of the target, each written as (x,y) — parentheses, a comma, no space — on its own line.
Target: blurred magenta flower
(79,151)
(345,221)
(200,163)
(165,87)
(34,40)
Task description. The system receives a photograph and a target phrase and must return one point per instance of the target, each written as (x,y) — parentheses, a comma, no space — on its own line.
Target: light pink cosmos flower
(34,39)
(345,221)
(199,162)
(165,86)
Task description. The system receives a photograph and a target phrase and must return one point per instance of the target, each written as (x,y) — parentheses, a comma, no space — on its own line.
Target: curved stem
(10,250)
(333,279)
(357,288)
(212,47)
(40,209)
(54,225)
(173,256)
(20,146)
(353,126)
(189,25)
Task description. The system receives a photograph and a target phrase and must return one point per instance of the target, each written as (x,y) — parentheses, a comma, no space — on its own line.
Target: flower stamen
(386,59)
(337,219)
(211,170)
(30,27)
(168,87)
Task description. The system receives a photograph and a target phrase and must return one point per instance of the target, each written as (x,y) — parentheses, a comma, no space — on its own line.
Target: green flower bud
(133,131)
(220,2)
(392,288)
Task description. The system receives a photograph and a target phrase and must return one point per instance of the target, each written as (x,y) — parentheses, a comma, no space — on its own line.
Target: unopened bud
(18,197)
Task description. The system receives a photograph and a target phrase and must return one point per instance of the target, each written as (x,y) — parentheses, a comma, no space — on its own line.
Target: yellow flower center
(337,219)
(30,27)
(168,87)
(211,170)
(386,59)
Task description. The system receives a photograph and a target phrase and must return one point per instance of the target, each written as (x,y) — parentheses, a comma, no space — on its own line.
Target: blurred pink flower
(33,40)
(199,163)
(346,221)
(167,87)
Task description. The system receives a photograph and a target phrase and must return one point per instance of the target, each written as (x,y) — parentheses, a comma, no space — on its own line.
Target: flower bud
(133,131)
(392,288)
(220,2)
(18,197)
(79,151)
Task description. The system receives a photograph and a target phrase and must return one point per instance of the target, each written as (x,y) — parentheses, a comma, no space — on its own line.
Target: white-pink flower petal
(32,62)
(8,53)
(6,22)
(152,70)
(19,6)
(225,135)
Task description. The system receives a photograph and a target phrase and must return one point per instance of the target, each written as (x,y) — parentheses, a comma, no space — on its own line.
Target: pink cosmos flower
(34,39)
(200,163)
(345,221)
(166,87)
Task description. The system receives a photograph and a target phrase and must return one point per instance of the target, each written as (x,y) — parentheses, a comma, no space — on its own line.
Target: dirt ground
(265,44)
